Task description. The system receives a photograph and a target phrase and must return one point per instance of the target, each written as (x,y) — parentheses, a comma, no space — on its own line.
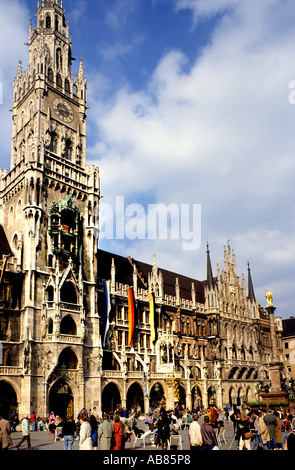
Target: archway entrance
(61,399)
(135,397)
(8,399)
(196,397)
(157,397)
(111,399)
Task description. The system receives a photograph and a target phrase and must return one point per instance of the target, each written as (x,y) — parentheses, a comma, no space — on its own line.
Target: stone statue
(269,298)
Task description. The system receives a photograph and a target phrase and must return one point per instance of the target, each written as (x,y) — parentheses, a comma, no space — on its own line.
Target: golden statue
(269,298)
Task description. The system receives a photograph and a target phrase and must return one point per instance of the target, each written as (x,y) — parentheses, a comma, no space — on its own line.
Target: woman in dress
(118,433)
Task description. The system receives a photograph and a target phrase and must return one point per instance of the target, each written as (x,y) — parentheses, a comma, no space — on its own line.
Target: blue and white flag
(106,310)
(144,385)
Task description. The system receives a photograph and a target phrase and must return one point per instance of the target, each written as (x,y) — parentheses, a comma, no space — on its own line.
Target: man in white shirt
(26,433)
(194,435)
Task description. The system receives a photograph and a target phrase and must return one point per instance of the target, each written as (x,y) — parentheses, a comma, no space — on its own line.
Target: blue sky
(189,103)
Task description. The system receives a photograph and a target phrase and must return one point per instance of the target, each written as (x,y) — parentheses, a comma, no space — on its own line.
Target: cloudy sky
(191,102)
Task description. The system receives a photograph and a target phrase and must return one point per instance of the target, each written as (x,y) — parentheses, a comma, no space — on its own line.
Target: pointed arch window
(48,22)
(69,150)
(50,75)
(53,143)
(58,81)
(67,86)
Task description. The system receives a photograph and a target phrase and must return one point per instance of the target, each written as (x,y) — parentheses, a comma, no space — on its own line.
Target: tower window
(58,80)
(53,143)
(67,86)
(56,23)
(69,150)
(50,75)
(48,22)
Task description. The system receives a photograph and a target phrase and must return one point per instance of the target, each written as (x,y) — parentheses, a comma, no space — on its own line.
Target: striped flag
(106,310)
(131,315)
(176,389)
(152,317)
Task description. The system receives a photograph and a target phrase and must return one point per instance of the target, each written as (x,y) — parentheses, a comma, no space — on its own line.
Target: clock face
(63,110)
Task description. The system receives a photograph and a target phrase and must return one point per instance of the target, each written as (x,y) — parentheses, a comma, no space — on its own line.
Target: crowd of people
(257,429)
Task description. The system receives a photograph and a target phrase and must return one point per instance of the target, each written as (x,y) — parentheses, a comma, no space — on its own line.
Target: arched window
(53,143)
(67,86)
(68,326)
(50,326)
(68,293)
(48,22)
(56,23)
(58,81)
(68,359)
(69,150)
(50,75)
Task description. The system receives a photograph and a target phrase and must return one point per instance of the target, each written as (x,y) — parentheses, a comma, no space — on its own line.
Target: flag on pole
(131,316)
(152,316)
(144,385)
(106,310)
(176,389)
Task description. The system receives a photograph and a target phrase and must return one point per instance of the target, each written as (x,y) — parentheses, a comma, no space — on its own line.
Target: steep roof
(124,275)
(4,245)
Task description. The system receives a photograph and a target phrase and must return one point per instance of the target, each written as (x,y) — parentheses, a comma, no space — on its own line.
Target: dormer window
(50,75)
(58,81)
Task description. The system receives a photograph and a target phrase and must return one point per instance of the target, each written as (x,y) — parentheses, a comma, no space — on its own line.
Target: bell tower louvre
(49,211)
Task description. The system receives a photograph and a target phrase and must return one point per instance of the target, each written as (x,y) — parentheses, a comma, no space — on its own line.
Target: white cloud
(219,132)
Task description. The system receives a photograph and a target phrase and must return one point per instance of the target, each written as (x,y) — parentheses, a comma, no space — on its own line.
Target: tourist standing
(94,429)
(26,433)
(68,432)
(163,430)
(208,435)
(5,438)
(85,442)
(105,433)
(195,435)
(34,421)
(271,424)
(118,433)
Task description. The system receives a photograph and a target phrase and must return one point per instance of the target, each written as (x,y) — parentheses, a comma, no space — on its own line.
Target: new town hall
(210,337)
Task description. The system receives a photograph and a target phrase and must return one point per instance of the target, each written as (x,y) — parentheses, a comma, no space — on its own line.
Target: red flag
(131,315)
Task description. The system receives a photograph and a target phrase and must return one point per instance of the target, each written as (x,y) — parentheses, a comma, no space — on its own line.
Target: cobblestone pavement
(40,440)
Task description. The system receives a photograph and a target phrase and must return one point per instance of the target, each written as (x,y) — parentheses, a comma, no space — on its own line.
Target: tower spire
(209,269)
(251,295)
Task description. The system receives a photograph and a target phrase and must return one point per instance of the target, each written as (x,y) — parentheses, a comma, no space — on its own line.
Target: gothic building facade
(210,338)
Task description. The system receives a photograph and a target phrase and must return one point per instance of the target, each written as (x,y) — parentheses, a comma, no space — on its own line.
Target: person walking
(271,424)
(105,433)
(5,431)
(85,442)
(195,435)
(26,433)
(68,432)
(208,435)
(118,433)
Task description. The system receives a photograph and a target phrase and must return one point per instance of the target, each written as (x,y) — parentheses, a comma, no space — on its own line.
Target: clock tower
(49,203)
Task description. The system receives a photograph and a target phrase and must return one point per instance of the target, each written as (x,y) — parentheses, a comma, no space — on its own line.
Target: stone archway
(135,397)
(111,398)
(8,399)
(157,396)
(61,399)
